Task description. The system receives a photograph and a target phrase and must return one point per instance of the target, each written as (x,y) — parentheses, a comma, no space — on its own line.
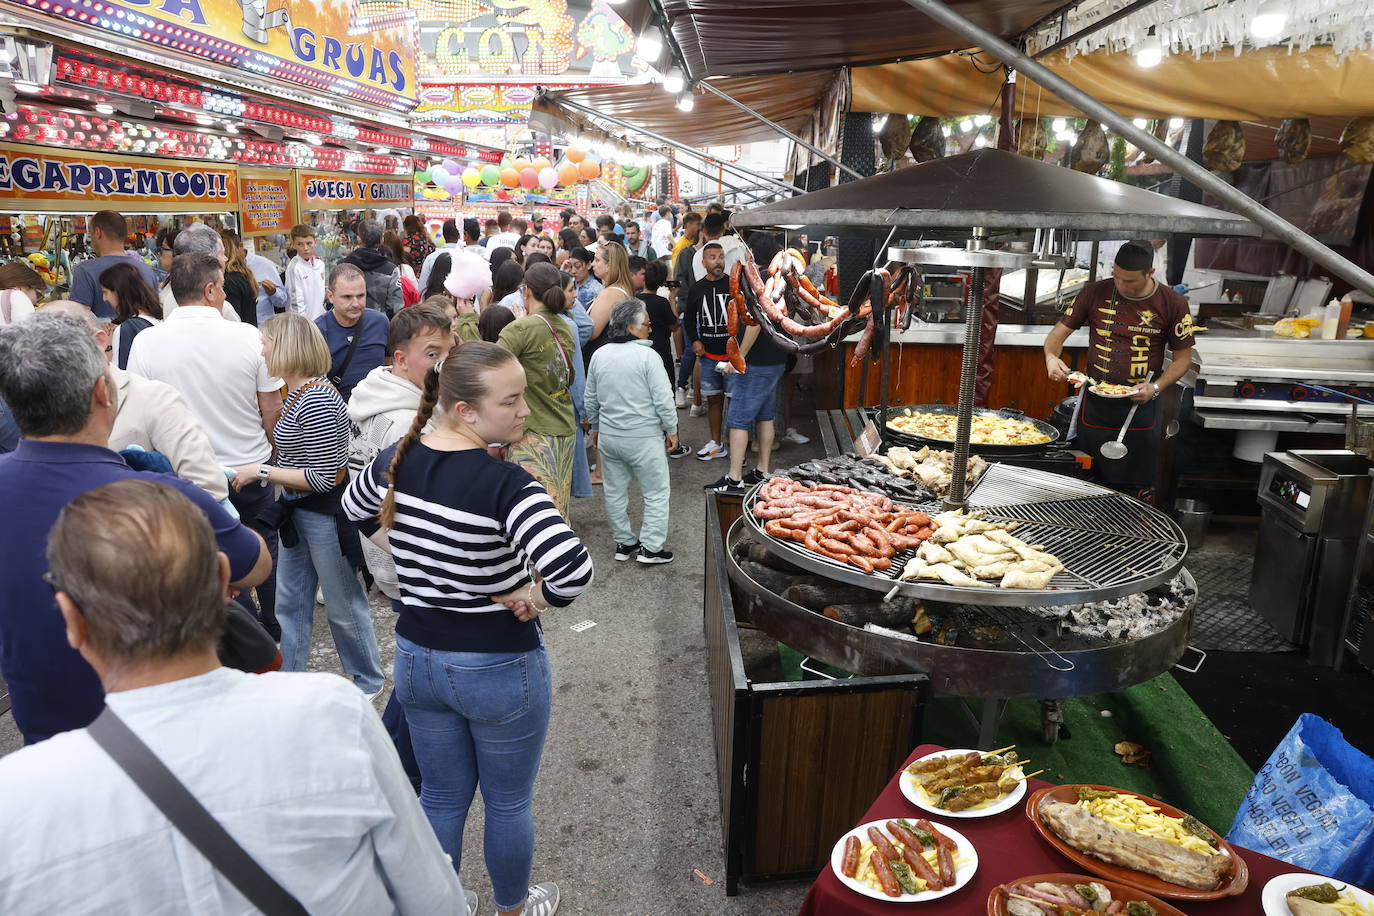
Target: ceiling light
(983,120)
(1175,123)
(879,123)
(980,140)
(1269,20)
(650,46)
(1067,136)
(685,102)
(25,86)
(1140,123)
(674,80)
(1149,52)
(1058,125)
(965,126)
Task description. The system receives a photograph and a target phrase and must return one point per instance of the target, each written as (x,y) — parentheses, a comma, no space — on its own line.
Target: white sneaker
(470,898)
(680,398)
(796,438)
(542,900)
(713,449)
(697,410)
(319,596)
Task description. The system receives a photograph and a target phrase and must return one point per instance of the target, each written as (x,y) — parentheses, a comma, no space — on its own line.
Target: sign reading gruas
(341,47)
(335,191)
(33,178)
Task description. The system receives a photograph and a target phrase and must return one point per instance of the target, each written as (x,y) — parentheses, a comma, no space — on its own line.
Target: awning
(1267,84)
(998,190)
(790,100)
(734,37)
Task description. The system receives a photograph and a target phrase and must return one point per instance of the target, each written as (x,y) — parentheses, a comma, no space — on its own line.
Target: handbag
(189,816)
(245,644)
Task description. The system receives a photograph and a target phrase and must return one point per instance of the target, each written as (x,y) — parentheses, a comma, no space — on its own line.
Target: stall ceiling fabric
(733,37)
(791,101)
(998,190)
(1257,85)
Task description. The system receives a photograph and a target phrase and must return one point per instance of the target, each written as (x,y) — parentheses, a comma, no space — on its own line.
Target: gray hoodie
(382,409)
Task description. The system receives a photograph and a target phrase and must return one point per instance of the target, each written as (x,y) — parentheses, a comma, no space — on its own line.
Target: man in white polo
(218,368)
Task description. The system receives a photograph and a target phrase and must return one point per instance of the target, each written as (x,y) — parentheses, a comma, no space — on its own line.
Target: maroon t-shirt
(1127,336)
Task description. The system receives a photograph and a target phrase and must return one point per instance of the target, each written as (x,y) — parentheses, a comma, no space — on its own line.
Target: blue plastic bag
(1312,804)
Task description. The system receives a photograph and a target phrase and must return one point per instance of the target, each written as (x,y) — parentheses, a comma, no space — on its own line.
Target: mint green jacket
(628,393)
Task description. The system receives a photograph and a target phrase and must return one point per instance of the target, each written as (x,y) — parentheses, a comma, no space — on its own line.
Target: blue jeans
(479,718)
(755,396)
(317,560)
(684,366)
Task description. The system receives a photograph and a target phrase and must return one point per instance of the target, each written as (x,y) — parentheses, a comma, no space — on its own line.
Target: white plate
(962,873)
(1272,898)
(1111,397)
(912,790)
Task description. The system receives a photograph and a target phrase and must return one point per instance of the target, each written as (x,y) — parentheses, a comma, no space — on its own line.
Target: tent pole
(739,169)
(778,127)
(1192,171)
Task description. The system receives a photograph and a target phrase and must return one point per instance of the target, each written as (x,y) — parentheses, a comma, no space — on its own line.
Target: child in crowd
(305,274)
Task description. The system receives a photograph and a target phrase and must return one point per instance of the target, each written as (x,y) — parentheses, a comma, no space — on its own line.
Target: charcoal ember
(1225,147)
(1294,140)
(1357,140)
(927,140)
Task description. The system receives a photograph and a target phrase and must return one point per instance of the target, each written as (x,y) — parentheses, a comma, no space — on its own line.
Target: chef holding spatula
(1131,318)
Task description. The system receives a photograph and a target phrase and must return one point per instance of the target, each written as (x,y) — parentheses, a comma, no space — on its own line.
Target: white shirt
(169,304)
(298,769)
(154,417)
(264,269)
(734,252)
(217,366)
(305,287)
(661,235)
(446,248)
(478,250)
(15,306)
(503,240)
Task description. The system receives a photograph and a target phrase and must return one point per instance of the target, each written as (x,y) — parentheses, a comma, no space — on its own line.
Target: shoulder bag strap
(352,348)
(567,360)
(189,816)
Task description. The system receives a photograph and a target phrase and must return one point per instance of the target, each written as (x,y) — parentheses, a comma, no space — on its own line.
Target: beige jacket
(154,417)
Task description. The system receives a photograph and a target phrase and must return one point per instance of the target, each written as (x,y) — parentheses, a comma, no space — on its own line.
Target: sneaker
(470,898)
(697,410)
(726,483)
(680,398)
(319,596)
(682,451)
(542,900)
(796,438)
(712,449)
(650,557)
(625,551)
(754,477)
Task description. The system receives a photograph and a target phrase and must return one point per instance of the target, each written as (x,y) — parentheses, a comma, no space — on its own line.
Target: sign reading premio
(340,191)
(36,179)
(362,49)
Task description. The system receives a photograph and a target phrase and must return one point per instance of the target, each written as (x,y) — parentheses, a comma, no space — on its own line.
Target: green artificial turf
(1191,766)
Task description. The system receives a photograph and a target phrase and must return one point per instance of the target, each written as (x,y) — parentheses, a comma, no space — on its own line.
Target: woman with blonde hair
(611,266)
(544,342)
(480,553)
(240,286)
(312,457)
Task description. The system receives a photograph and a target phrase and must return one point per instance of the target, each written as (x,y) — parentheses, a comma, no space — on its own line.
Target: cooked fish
(1102,840)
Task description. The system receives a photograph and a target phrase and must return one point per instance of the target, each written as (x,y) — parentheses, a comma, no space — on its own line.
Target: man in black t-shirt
(706,322)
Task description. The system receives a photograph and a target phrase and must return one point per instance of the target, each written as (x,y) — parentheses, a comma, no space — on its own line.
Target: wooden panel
(822,759)
(929,374)
(827,433)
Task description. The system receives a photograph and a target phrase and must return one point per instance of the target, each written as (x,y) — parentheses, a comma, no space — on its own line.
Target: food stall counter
(1008,848)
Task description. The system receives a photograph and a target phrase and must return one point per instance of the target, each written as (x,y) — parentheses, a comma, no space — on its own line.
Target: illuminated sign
(33,178)
(332,191)
(268,204)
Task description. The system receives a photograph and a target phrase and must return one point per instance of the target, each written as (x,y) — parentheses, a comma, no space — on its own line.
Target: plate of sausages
(904,861)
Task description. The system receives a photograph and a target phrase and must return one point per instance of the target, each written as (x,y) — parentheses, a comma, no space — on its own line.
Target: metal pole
(1097,26)
(779,128)
(682,165)
(1192,171)
(957,497)
(748,173)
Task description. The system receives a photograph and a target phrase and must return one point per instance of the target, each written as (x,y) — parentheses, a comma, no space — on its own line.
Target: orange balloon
(588,169)
(567,174)
(520,164)
(540,164)
(575,155)
(510,177)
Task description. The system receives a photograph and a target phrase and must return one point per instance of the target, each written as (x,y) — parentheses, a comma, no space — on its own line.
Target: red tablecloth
(1008,847)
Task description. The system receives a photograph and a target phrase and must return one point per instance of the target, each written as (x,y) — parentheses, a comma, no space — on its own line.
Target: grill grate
(1110,545)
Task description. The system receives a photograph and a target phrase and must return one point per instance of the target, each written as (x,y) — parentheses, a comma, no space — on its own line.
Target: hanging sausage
(1357,140)
(1160,131)
(1293,140)
(1091,152)
(894,136)
(1031,138)
(927,140)
(1225,147)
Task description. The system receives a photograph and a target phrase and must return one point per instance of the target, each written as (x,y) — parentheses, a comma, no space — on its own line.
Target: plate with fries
(1350,900)
(865,882)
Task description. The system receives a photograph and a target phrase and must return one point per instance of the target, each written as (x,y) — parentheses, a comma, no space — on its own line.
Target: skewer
(1029,775)
(1000,750)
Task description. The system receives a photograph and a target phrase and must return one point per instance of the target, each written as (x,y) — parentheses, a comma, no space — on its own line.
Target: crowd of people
(271,437)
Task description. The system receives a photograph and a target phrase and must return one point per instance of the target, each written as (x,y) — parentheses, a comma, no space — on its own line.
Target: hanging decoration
(1294,140)
(1357,140)
(1225,147)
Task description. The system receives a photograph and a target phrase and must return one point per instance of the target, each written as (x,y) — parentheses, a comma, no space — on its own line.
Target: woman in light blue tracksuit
(629,403)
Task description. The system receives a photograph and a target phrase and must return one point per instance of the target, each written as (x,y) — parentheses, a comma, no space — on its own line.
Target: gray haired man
(629,403)
(383,276)
(196,237)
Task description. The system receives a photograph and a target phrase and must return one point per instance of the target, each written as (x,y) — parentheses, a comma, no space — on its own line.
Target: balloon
(529,178)
(548,178)
(471,177)
(541,163)
(491,175)
(575,154)
(454,185)
(422,177)
(439,175)
(510,177)
(567,174)
(452,166)
(520,164)
(588,170)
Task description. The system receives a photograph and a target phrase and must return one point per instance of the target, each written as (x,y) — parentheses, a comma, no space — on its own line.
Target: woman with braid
(481,551)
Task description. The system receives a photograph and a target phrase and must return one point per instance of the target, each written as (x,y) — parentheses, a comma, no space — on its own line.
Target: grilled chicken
(1094,836)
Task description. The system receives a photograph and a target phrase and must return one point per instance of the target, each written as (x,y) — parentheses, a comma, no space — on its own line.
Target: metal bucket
(1193,516)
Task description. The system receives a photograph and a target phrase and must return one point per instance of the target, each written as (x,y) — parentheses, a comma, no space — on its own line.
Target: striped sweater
(469,527)
(312,434)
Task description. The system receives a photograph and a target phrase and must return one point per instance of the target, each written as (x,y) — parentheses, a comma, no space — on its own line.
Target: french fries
(1131,813)
(866,876)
